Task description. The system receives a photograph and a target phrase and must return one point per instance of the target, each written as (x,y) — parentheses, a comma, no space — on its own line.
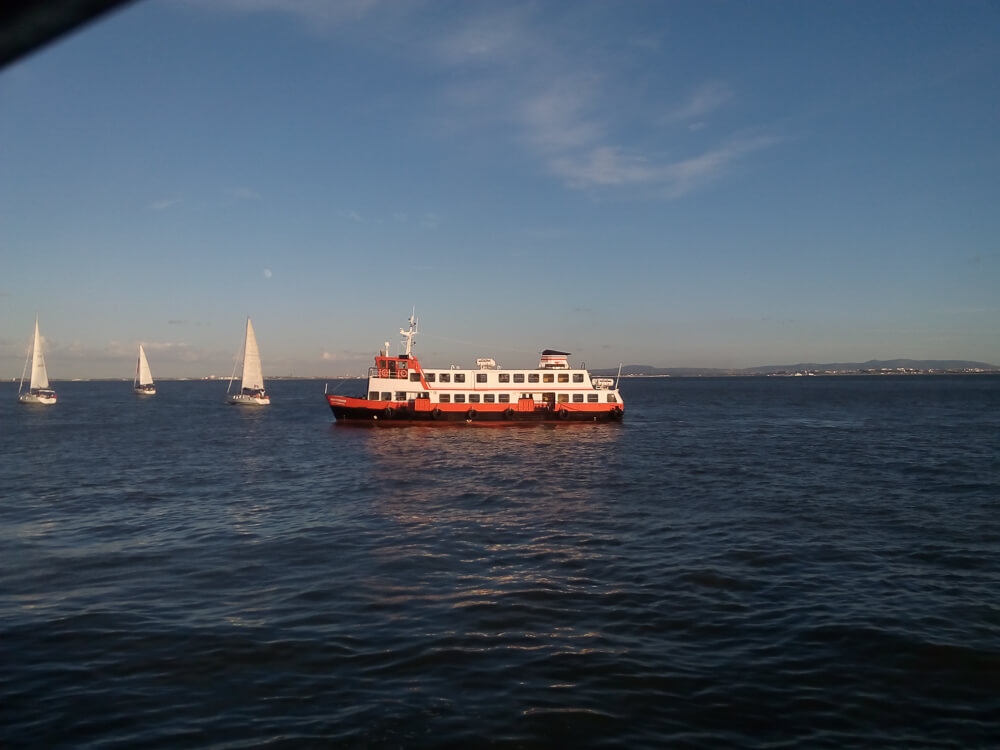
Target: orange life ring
(383,373)
(400,373)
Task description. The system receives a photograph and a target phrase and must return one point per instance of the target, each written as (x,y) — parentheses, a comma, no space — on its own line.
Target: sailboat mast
(238,360)
(25,370)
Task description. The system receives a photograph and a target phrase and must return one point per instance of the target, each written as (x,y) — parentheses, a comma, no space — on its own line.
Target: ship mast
(408,335)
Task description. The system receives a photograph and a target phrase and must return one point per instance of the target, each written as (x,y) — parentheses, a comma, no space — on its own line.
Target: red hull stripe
(348,408)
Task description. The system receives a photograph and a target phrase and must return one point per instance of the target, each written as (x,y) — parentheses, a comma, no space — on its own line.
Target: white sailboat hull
(145,390)
(241,399)
(47,398)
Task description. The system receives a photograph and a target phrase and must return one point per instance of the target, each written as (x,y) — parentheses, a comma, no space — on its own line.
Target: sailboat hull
(145,390)
(241,399)
(46,398)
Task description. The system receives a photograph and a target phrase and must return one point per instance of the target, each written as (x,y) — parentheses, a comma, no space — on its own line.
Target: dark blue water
(807,562)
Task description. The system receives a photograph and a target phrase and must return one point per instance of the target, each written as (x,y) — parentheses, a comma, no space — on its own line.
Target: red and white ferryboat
(401,391)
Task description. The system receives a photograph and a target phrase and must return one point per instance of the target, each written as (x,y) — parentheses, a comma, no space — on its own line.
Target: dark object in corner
(26,25)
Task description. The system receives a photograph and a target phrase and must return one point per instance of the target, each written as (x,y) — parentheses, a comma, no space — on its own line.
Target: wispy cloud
(529,73)
(557,119)
(241,193)
(565,108)
(316,15)
(613,166)
(164,203)
(180,322)
(704,100)
(502,35)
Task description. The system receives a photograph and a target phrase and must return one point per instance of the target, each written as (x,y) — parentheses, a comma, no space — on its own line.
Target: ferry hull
(355,410)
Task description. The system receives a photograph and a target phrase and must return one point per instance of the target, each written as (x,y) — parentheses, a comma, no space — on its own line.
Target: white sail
(252,376)
(39,377)
(142,374)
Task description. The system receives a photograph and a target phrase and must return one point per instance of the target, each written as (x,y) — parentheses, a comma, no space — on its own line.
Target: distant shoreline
(635,376)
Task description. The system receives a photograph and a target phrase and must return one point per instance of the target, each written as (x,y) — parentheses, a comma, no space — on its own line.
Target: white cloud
(313,14)
(708,98)
(604,165)
(241,193)
(495,37)
(528,74)
(555,119)
(164,203)
(612,166)
(569,111)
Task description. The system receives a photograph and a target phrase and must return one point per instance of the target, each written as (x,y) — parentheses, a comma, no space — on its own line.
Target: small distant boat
(143,383)
(38,388)
(252,391)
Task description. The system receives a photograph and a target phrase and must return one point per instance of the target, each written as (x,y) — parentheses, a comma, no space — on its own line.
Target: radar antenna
(408,335)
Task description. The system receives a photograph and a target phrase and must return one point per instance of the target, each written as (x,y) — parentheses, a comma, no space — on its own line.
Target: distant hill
(872,366)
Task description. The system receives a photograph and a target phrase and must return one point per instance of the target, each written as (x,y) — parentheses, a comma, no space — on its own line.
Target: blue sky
(718,184)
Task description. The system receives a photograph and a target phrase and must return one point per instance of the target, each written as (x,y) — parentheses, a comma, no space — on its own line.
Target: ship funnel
(553,360)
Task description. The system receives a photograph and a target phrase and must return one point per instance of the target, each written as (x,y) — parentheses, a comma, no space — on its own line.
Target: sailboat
(143,383)
(38,388)
(252,391)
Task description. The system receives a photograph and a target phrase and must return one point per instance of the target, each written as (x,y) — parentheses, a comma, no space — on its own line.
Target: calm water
(757,563)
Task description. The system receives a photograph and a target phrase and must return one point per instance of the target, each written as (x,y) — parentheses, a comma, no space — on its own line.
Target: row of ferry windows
(502,377)
(489,398)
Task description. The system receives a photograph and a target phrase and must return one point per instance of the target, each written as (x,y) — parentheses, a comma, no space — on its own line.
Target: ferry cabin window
(563,398)
(373,396)
(386,396)
(444,398)
(401,395)
(504,377)
(459,398)
(459,377)
(564,377)
(577,398)
(473,398)
(577,377)
(424,394)
(591,398)
(414,377)
(518,377)
(612,399)
(533,377)
(430,377)
(445,377)
(547,377)
(489,398)
(480,377)
(504,398)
